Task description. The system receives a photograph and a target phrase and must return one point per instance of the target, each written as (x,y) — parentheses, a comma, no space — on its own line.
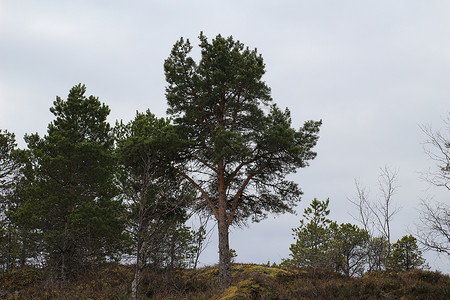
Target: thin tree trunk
(9,255)
(137,273)
(23,256)
(136,280)
(63,252)
(134,285)
(139,246)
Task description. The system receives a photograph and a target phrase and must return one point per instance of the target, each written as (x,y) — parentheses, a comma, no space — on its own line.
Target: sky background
(373,71)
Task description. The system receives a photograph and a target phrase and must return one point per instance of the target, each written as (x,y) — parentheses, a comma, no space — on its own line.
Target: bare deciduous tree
(434,228)
(376,216)
(437,147)
(384,209)
(361,201)
(433,231)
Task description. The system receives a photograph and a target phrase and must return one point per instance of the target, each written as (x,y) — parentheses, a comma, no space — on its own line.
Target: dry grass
(113,281)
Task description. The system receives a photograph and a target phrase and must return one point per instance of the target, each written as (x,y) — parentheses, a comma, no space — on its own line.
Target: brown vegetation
(112,281)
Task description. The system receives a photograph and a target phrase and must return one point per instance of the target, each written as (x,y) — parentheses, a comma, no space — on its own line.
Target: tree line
(346,248)
(87,192)
(77,196)
(353,250)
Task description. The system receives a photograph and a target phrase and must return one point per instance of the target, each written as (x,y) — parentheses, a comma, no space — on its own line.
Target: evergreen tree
(377,254)
(349,248)
(10,164)
(71,201)
(239,149)
(155,195)
(405,255)
(313,238)
(322,243)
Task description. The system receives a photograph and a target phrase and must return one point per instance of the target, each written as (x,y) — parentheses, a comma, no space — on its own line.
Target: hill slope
(113,281)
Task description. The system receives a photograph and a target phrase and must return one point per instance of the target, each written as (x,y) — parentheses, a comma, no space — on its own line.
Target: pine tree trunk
(224,256)
(224,246)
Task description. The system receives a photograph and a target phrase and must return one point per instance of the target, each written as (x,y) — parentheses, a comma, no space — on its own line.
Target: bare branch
(434,229)
(387,184)
(378,214)
(361,201)
(437,148)
(200,189)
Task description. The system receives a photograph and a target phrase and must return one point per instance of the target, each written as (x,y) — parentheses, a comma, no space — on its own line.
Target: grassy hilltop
(113,281)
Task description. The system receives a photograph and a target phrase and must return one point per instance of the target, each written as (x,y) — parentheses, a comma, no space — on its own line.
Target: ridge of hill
(250,281)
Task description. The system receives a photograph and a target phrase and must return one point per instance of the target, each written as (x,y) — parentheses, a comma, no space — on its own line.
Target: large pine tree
(240,147)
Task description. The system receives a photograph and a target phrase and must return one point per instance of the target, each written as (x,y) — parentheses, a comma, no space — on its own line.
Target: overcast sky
(373,71)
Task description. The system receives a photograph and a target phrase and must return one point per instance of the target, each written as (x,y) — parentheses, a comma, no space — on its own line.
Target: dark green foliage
(146,138)
(322,243)
(238,152)
(377,254)
(172,247)
(218,106)
(405,255)
(8,169)
(313,238)
(71,200)
(9,164)
(153,192)
(14,242)
(349,248)
(155,195)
